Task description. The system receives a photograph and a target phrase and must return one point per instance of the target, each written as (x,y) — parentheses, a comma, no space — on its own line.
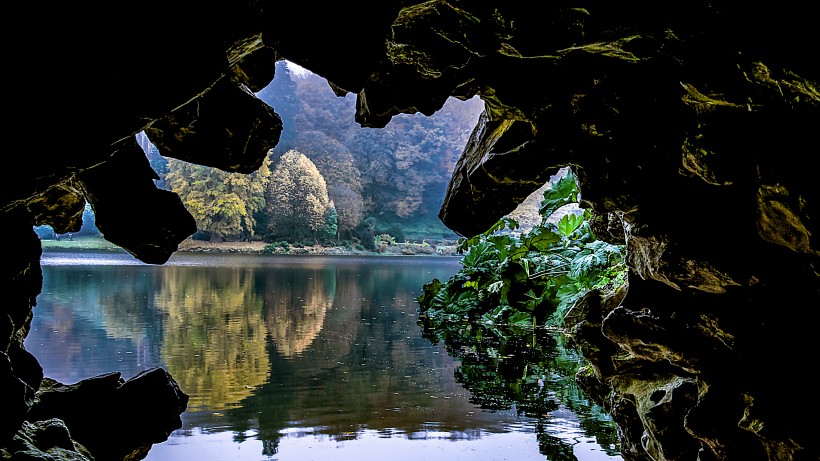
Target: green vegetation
(353,183)
(501,314)
(222,203)
(274,247)
(531,371)
(297,203)
(527,280)
(386,181)
(84,243)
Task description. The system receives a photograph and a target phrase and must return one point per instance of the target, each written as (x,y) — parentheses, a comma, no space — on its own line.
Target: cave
(692,129)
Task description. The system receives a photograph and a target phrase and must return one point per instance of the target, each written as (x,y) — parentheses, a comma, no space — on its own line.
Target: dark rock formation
(46,440)
(692,128)
(139,412)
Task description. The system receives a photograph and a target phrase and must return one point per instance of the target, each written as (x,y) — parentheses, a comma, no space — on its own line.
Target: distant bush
(397,231)
(45,232)
(382,240)
(274,246)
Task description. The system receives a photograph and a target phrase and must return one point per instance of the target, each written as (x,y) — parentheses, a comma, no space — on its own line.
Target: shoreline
(201,246)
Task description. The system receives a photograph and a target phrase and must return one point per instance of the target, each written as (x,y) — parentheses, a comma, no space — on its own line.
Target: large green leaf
(563,192)
(512,280)
(569,223)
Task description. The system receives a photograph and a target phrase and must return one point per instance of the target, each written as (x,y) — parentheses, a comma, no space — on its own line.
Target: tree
(89,226)
(223,204)
(349,209)
(331,228)
(400,172)
(406,166)
(297,199)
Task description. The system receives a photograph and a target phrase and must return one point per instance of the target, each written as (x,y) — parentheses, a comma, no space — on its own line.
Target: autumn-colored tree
(206,360)
(337,165)
(401,172)
(297,201)
(223,204)
(406,166)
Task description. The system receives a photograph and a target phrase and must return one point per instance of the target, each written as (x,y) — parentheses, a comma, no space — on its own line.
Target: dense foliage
(388,181)
(529,279)
(501,314)
(396,175)
(298,206)
(223,204)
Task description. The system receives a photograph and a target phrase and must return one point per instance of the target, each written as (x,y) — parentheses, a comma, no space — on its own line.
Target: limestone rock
(47,440)
(113,418)
(691,130)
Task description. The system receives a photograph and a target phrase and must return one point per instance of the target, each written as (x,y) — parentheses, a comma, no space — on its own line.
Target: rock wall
(692,128)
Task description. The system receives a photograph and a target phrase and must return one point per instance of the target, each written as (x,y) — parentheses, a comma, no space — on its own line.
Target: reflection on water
(532,370)
(297,358)
(215,337)
(297,308)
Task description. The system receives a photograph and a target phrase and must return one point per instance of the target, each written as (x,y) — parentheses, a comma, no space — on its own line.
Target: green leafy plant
(530,279)
(384,239)
(276,247)
(501,314)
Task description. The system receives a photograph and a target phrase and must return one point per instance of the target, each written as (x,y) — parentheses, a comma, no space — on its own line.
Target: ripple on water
(89,259)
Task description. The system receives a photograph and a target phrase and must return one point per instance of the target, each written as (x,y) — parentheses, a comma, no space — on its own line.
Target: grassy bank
(200,246)
(79,244)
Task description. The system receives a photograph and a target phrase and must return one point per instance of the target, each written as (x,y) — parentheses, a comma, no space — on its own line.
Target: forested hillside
(358,182)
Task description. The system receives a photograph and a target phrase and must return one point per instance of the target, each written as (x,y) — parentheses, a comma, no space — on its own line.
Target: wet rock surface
(139,412)
(690,129)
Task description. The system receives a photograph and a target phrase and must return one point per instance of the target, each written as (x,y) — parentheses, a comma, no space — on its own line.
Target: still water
(298,358)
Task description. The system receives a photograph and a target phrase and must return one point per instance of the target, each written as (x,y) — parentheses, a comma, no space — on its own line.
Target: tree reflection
(214,343)
(296,309)
(346,356)
(530,370)
(316,347)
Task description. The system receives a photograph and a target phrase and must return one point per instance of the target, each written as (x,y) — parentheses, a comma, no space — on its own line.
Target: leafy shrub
(397,232)
(273,247)
(532,279)
(384,239)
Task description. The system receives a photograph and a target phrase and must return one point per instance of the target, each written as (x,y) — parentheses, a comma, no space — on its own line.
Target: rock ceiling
(693,130)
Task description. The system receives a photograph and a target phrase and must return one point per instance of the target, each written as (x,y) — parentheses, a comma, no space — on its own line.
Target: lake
(297,358)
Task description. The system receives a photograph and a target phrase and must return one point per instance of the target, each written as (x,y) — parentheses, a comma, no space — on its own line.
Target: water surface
(290,358)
